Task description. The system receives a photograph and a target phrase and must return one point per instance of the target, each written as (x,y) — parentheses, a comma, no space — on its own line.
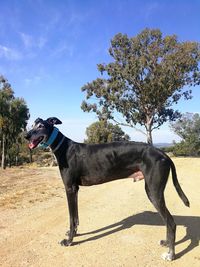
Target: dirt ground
(118,224)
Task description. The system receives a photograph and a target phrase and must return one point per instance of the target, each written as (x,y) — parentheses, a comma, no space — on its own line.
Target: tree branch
(129,125)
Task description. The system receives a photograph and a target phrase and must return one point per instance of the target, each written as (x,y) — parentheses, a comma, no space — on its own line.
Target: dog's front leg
(76,218)
(71,197)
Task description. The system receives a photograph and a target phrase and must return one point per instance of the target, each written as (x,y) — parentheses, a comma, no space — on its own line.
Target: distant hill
(163,145)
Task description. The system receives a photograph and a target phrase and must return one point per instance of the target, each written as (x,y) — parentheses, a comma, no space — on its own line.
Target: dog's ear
(38,120)
(53,120)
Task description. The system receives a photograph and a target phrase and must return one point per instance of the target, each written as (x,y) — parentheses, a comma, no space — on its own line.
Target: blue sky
(50,48)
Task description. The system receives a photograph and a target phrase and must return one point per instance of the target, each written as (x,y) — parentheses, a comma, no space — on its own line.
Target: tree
(188,129)
(148,74)
(14,115)
(104,132)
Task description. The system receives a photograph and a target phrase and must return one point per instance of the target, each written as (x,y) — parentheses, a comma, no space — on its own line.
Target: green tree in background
(188,129)
(14,114)
(104,132)
(148,74)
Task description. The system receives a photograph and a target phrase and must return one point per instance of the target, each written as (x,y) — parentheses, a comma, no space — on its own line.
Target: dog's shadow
(191,223)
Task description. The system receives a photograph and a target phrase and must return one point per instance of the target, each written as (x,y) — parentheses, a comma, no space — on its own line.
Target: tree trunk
(3,161)
(9,161)
(149,136)
(16,160)
(17,155)
(148,127)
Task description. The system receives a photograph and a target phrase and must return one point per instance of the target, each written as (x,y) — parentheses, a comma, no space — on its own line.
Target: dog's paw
(66,243)
(164,243)
(167,256)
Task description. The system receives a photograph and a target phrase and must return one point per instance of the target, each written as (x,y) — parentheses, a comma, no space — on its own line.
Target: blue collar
(51,138)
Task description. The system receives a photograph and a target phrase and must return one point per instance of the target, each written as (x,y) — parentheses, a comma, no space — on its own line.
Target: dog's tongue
(32,145)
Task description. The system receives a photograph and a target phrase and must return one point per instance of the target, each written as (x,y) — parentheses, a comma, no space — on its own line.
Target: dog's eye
(40,126)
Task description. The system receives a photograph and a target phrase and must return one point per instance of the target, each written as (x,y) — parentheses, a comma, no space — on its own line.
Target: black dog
(86,165)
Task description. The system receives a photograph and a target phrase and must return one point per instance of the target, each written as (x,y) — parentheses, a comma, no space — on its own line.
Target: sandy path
(118,224)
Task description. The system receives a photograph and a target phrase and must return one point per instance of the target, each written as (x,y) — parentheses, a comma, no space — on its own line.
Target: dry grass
(23,186)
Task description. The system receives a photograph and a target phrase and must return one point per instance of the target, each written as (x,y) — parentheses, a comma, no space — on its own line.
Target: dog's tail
(177,185)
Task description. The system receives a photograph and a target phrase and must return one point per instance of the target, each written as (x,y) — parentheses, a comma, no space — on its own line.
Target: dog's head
(41,131)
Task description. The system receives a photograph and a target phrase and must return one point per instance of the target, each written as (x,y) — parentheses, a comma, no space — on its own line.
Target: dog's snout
(27,135)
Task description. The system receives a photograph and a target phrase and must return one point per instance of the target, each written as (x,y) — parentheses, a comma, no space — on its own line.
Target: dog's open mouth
(34,143)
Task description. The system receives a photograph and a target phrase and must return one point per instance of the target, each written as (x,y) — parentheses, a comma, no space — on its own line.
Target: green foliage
(14,114)
(104,132)
(147,75)
(188,128)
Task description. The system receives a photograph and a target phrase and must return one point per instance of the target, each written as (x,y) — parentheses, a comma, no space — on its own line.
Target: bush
(186,149)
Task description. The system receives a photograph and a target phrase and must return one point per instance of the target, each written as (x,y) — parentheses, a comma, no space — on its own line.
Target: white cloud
(150,9)
(32,80)
(9,53)
(27,39)
(30,42)
(63,49)
(41,42)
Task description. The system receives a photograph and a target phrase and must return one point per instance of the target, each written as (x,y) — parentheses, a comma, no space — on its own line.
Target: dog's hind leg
(157,199)
(154,186)
(76,208)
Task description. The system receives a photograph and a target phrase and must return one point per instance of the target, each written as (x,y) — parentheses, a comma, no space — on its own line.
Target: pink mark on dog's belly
(137,176)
